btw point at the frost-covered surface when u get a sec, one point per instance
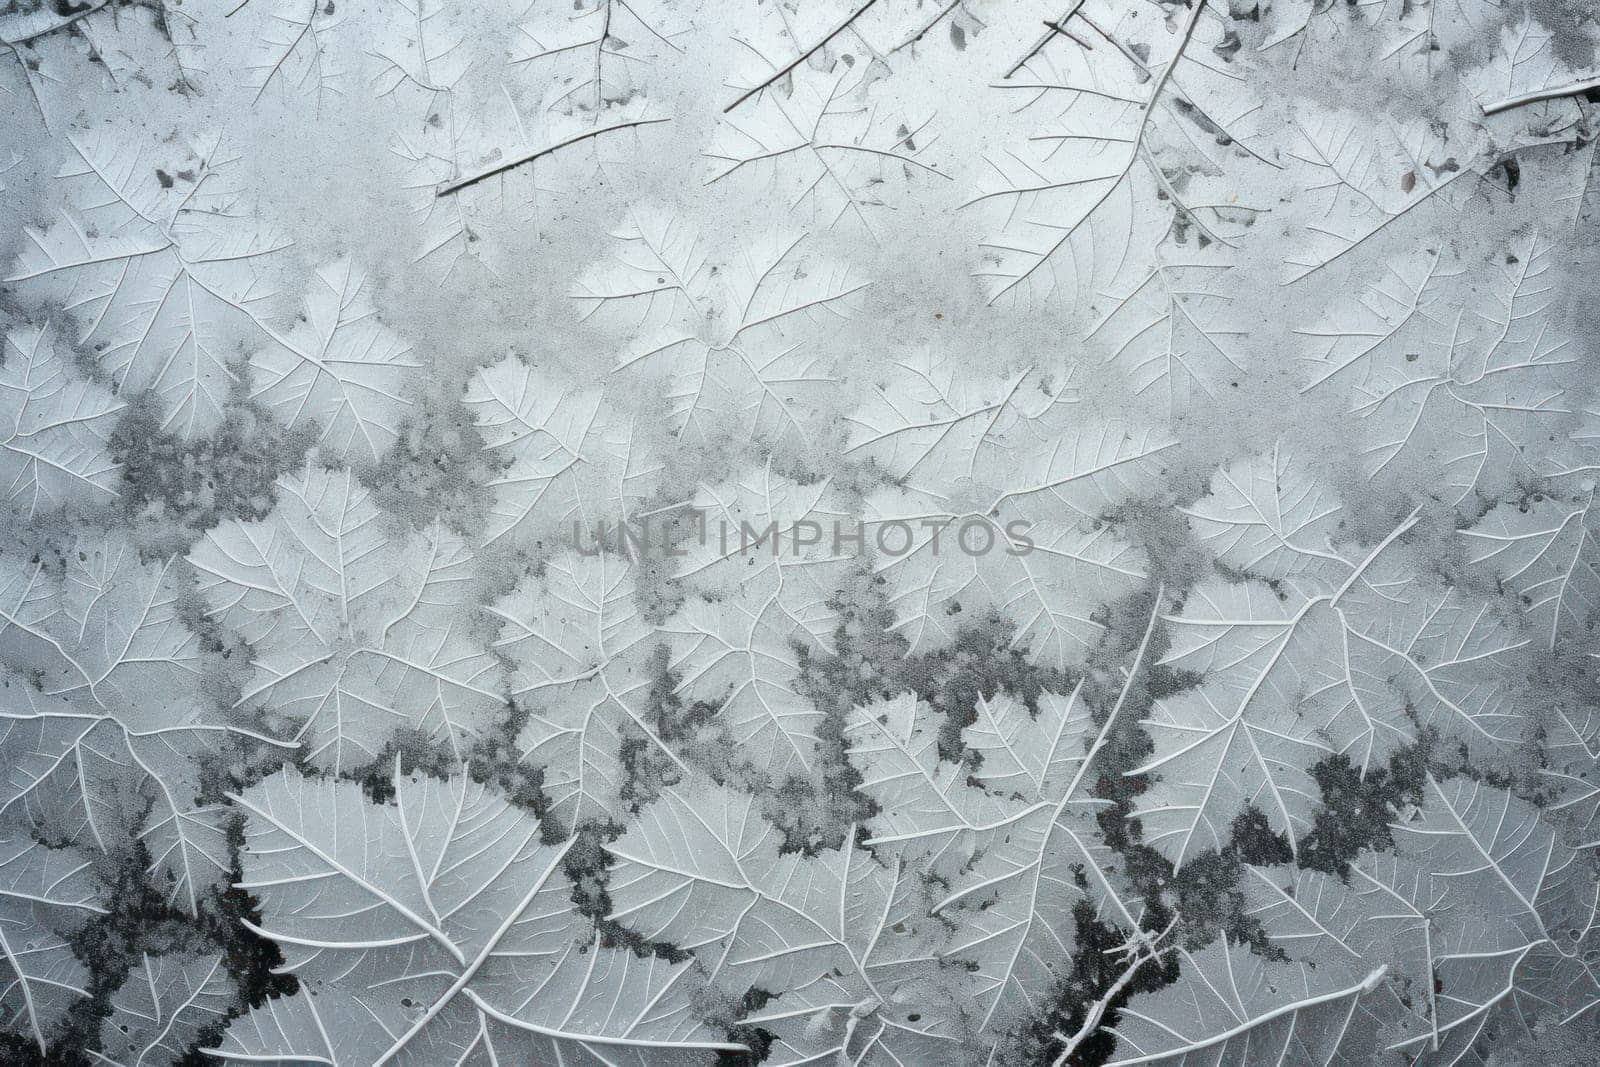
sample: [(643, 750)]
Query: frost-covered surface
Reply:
[(1211, 388)]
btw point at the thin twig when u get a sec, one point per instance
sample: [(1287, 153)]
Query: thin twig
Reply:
[(920, 34), (807, 54), (1122, 696), (517, 161), (1553, 93), (1116, 42), (1069, 35), (1055, 28), (1144, 952)]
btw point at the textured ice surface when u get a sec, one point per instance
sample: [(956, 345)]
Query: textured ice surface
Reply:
[(859, 532)]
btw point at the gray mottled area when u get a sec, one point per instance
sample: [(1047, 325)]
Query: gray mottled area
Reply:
[(1174, 426)]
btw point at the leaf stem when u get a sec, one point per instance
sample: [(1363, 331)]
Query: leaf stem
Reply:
[(1144, 952), (1554, 92), (529, 157), (802, 57), (1055, 28)]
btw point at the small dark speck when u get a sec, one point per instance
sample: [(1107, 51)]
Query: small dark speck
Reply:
[(327, 9), (958, 37), (164, 178)]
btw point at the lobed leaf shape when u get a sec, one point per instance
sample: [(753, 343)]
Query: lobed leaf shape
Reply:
[(1080, 188), (763, 529), (894, 743), (1054, 464), (163, 268), (1077, 218), (822, 144), (1173, 331), (598, 52), (479, 160), (1484, 918), (1266, 516), (356, 624), (730, 339), (440, 928), (928, 422), (1495, 850), (1527, 91), (1547, 552), (1312, 669), (124, 47), (1442, 378), (1048, 578), (842, 939), (55, 429), (774, 46), (1388, 28), (740, 653), (1450, 963), (572, 460), (1231, 1006), (941, 431), (1007, 842), (583, 657), (825, 1021), (102, 626), (1572, 747), (339, 369), (1020, 539), (291, 52), (164, 1008), (43, 893), (106, 639), (420, 49), (1381, 907), (1359, 178), (103, 778), (701, 867)]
